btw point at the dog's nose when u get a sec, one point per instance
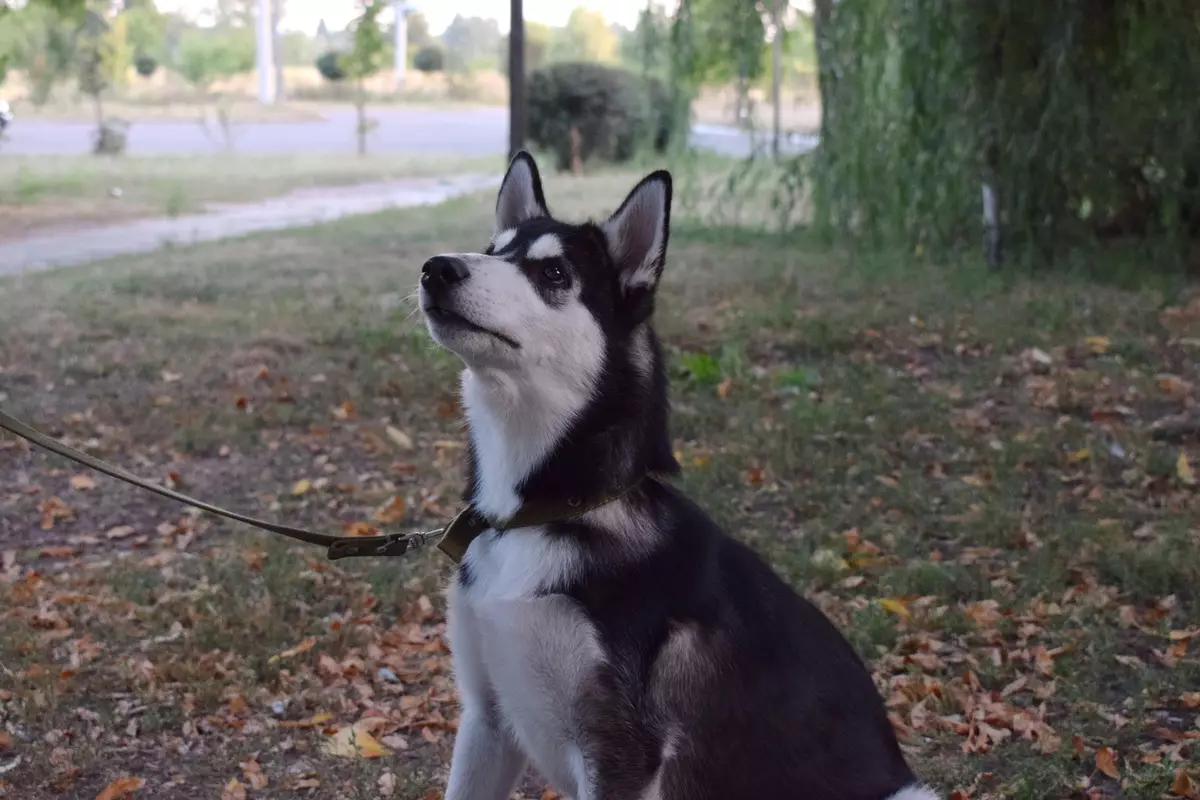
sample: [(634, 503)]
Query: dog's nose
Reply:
[(441, 272)]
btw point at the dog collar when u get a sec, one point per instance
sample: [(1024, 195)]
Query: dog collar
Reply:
[(471, 523)]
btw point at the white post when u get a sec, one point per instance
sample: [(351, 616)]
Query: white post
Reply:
[(401, 60), (264, 52)]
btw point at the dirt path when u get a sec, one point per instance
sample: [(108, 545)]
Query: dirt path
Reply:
[(70, 246)]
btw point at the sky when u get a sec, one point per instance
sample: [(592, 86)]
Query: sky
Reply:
[(304, 15)]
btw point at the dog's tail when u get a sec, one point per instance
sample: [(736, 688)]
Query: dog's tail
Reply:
[(914, 792)]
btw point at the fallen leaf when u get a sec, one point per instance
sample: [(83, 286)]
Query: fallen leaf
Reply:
[(391, 512), (386, 784), (399, 438), (120, 532), (1184, 470), (121, 787), (301, 486), (312, 722), (82, 482), (895, 606), (5, 740), (303, 647), (1098, 344), (254, 775), (1184, 786), (351, 743), (58, 551), (233, 790), (723, 388), (1190, 699), (755, 476), (1106, 762), (53, 510)]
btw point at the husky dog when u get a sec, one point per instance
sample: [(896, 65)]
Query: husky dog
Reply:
[(629, 648)]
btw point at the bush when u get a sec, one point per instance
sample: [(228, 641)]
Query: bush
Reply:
[(330, 66), (145, 65), (611, 107), (429, 59)]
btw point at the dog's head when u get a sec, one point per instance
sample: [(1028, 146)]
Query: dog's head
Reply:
[(547, 294)]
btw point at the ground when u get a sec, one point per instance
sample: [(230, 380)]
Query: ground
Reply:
[(986, 482), (37, 192)]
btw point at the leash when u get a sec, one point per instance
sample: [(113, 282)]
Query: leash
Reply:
[(453, 539)]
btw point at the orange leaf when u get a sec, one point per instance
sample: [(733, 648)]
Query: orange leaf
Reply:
[(895, 606), (1190, 699), (233, 790), (303, 647), (1184, 786), (1106, 762), (352, 743), (723, 389), (121, 787), (82, 482), (393, 511)]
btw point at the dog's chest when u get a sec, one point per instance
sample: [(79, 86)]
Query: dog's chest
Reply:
[(531, 653)]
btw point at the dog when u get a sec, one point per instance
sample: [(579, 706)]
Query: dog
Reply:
[(625, 645)]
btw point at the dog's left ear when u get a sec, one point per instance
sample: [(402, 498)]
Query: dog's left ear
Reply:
[(637, 232)]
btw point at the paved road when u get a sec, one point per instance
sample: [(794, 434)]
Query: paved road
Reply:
[(466, 132)]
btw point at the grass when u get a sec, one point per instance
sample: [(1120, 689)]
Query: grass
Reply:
[(964, 472), (37, 192)]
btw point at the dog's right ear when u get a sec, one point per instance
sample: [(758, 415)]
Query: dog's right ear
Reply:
[(521, 196)]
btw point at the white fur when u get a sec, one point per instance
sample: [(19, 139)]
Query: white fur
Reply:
[(503, 239), (914, 793), (545, 246)]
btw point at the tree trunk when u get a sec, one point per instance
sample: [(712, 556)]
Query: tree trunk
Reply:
[(776, 75), (277, 50), (360, 108), (826, 76)]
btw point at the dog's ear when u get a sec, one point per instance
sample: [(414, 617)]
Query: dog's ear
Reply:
[(520, 198), (637, 232)]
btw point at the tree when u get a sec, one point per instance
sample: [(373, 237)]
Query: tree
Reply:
[(145, 30), (418, 30), (367, 56), (40, 41), (103, 58), (538, 40), (586, 37), (471, 42), (206, 55), (429, 59)]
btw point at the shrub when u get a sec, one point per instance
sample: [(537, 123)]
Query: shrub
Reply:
[(145, 65), (429, 59), (330, 66), (612, 109)]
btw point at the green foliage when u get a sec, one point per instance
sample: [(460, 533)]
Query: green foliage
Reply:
[(330, 67), (41, 42), (1081, 115), (145, 65), (729, 39), (586, 37), (206, 55), (610, 107), (429, 59), (103, 55), (471, 43), (146, 31), (368, 53)]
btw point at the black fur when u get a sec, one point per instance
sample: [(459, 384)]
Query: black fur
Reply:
[(783, 707)]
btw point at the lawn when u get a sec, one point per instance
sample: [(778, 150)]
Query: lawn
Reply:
[(41, 191), (988, 484)]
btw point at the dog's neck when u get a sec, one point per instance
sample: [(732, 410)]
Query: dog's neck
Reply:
[(537, 438)]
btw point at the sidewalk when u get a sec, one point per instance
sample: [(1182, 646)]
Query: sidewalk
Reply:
[(67, 247)]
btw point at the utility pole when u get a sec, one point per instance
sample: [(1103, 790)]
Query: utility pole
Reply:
[(400, 63), (264, 52), (776, 74), (516, 79)]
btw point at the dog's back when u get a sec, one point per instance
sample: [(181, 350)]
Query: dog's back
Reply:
[(603, 627)]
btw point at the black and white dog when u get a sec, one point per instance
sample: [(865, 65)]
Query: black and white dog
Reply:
[(631, 650)]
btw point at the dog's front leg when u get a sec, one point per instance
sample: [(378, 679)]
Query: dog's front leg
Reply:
[(486, 761)]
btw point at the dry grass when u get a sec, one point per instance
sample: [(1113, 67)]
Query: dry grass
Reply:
[(38, 192), (985, 483)]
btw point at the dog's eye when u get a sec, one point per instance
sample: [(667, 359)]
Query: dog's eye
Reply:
[(553, 273)]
